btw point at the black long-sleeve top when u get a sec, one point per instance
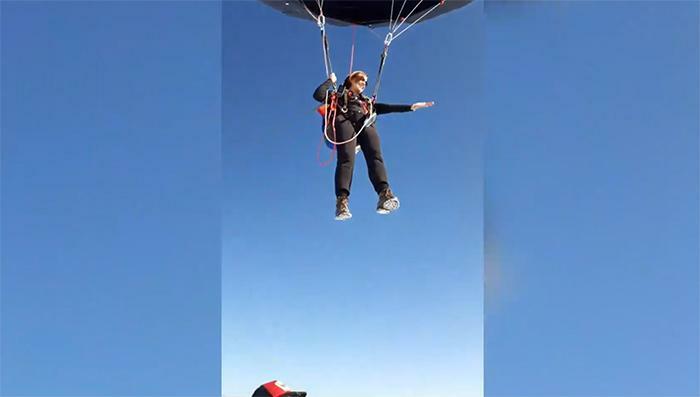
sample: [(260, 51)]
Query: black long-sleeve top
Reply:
[(356, 106)]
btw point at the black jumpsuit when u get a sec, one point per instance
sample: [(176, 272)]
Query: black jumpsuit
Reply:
[(346, 126)]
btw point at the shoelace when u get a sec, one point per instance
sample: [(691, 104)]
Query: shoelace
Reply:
[(342, 206), (386, 194)]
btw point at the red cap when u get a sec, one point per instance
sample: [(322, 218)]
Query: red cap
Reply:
[(277, 389)]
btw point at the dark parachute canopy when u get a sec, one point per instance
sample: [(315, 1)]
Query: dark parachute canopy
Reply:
[(366, 13)]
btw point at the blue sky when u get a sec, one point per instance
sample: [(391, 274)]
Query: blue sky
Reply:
[(376, 305), (110, 199), (592, 199)]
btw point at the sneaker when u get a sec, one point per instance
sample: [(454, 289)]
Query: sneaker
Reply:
[(387, 202), (342, 209)]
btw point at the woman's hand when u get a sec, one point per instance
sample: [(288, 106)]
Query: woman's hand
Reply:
[(333, 78), (421, 105)]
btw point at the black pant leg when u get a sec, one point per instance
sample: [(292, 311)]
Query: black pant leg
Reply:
[(345, 164), (372, 150)]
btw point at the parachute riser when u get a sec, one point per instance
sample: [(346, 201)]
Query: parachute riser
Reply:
[(382, 61)]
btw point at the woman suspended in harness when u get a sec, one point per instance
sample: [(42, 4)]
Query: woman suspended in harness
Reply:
[(354, 117)]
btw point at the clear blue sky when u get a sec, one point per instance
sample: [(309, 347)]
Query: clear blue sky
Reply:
[(376, 305), (110, 199), (592, 199)]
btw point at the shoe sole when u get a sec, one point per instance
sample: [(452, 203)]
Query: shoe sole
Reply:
[(343, 217), (389, 206)]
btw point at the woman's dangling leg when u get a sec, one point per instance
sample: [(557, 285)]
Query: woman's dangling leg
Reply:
[(346, 158), (372, 150), (344, 169)]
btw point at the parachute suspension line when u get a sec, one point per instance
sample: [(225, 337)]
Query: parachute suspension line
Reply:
[(382, 61), (314, 17), (419, 18), (321, 22), (326, 53), (352, 49), (396, 27), (391, 15), (393, 35), (392, 27)]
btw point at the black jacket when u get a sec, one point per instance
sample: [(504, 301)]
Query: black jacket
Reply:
[(356, 105)]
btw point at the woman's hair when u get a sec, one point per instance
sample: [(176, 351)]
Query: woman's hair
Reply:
[(354, 77)]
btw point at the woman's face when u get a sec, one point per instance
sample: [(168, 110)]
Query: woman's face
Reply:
[(359, 84)]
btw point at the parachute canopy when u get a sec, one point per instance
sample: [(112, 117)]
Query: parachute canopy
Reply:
[(366, 13)]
